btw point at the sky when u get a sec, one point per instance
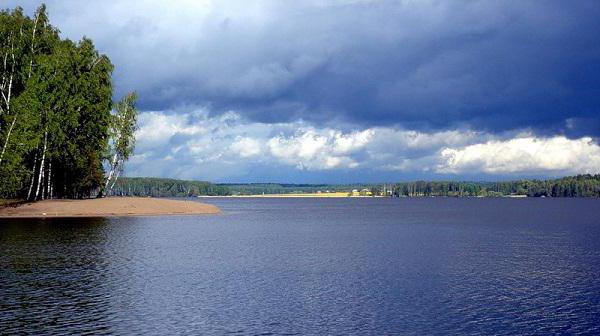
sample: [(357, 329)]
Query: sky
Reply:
[(333, 91)]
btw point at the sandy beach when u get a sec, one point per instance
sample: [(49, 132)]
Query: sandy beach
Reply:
[(106, 207)]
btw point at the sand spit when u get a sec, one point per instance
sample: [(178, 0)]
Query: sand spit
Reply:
[(107, 207)]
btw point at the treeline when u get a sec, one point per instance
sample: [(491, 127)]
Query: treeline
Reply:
[(56, 125), (572, 186), (286, 188), (162, 187)]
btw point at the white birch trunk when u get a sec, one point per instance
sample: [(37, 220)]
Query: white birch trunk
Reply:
[(10, 83), (115, 180), (7, 96), (7, 102), (51, 183), (33, 46), (44, 179), (4, 83), (4, 72), (41, 183), (113, 165), (32, 176), (12, 125), (49, 179), (41, 175)]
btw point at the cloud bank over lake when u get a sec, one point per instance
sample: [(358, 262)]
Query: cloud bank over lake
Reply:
[(370, 90), (230, 147)]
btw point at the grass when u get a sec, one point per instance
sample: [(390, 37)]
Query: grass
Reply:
[(7, 202)]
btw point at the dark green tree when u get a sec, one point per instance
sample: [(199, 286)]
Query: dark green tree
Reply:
[(55, 111)]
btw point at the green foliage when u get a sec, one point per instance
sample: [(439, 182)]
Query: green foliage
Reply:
[(573, 186), (124, 125), (122, 129), (55, 110), (160, 187)]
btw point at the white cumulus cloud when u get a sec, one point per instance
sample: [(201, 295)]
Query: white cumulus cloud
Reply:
[(199, 145), (524, 155), (246, 147)]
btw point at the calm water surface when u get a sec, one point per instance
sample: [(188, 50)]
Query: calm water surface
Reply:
[(310, 266)]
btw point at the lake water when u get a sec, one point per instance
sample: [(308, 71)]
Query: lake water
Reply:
[(310, 267)]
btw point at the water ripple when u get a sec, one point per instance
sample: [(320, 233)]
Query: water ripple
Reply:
[(309, 267)]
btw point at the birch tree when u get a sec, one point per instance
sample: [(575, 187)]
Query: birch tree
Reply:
[(55, 112), (122, 138), (74, 90), (18, 58), (22, 40)]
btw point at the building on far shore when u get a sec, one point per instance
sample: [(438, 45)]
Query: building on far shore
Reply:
[(362, 192)]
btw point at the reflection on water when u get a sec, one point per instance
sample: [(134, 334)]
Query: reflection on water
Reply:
[(310, 266), (52, 273)]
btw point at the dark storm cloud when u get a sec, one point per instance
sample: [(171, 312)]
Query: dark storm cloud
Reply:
[(486, 65)]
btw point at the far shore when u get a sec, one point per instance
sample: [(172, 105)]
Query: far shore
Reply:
[(106, 207), (345, 195), (298, 195)]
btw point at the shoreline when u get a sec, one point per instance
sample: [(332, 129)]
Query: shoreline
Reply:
[(290, 196), (107, 207), (324, 195)]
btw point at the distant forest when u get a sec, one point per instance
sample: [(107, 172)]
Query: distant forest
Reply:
[(290, 188), (162, 187), (573, 186)]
